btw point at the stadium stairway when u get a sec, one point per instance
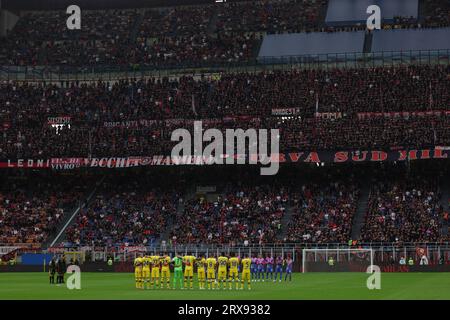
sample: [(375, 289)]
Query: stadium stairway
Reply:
[(190, 194), (69, 217), (136, 26), (212, 26), (445, 198), (361, 210), (170, 221), (285, 222), (368, 43), (421, 12), (42, 54), (323, 15)]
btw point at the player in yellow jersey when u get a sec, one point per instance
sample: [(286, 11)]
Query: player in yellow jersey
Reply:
[(211, 271), (156, 263), (201, 273), (151, 267), (233, 274), (222, 272), (246, 268), (146, 271), (165, 271), (138, 262), (188, 261)]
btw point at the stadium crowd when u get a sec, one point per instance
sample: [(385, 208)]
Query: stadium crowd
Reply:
[(404, 210), (314, 109), (271, 16), (309, 206), (175, 37), (32, 209), (130, 214), (377, 133), (323, 213), (42, 38), (313, 135), (348, 91), (436, 13), (240, 215), (351, 108)]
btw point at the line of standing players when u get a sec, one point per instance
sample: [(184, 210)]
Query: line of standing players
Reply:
[(273, 267), (153, 271)]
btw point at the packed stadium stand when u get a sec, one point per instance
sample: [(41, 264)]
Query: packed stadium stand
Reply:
[(323, 212), (32, 206), (384, 116), (380, 107), (313, 205), (194, 35), (404, 212), (127, 213), (251, 214)]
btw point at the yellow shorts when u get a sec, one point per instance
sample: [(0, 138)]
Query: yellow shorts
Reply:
[(155, 272), (146, 273), (222, 274), (211, 274), (189, 272), (201, 274), (138, 272), (233, 274), (245, 275), (165, 272)]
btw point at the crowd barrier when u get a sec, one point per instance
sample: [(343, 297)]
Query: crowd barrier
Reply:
[(326, 61)]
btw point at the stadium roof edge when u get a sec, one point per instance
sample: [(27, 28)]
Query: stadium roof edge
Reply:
[(97, 4)]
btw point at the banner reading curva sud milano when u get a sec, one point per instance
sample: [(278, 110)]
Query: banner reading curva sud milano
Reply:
[(291, 157)]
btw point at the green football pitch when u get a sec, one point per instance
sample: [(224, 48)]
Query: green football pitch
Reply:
[(303, 286)]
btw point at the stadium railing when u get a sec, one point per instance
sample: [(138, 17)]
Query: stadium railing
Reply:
[(383, 252), (332, 60), (20, 245)]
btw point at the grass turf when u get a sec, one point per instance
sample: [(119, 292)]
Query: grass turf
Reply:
[(303, 286)]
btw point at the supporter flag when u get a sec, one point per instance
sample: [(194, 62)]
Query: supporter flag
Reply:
[(261, 236), (178, 95), (421, 252), (431, 98), (431, 108), (361, 255), (381, 99), (193, 104), (170, 104), (317, 103)]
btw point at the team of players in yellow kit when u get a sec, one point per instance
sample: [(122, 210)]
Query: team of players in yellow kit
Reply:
[(154, 271)]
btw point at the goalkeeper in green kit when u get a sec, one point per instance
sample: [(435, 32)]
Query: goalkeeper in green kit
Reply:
[(178, 271)]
